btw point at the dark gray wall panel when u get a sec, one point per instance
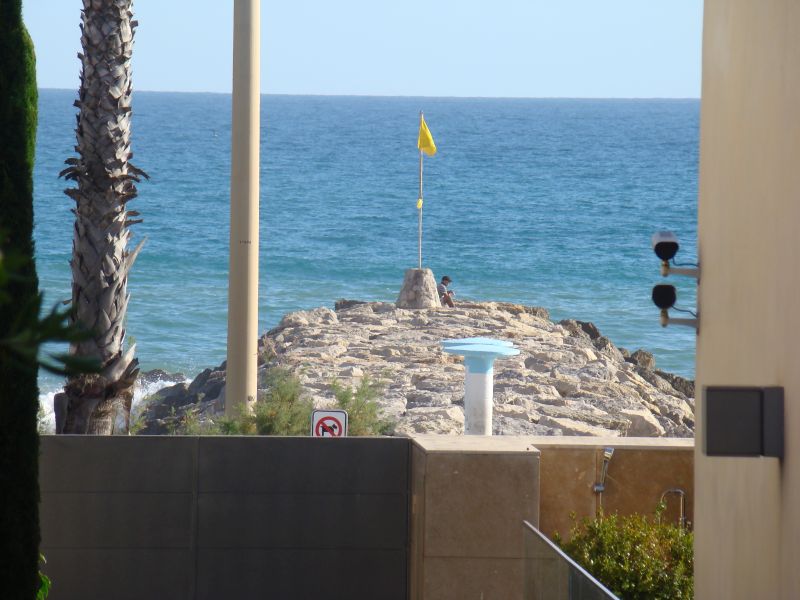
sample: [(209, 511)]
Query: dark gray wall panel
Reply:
[(120, 574), (303, 520), (116, 520), (171, 517), (300, 574), (307, 465), (117, 464)]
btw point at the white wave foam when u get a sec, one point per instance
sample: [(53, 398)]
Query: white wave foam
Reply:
[(47, 417)]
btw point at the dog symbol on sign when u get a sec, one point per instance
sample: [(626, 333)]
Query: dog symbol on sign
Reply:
[(329, 427)]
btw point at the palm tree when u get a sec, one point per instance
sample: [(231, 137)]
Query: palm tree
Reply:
[(100, 258)]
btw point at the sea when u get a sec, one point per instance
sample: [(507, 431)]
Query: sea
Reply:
[(544, 202)]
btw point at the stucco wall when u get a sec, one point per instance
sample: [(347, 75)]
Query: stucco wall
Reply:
[(470, 495), (640, 471), (747, 510)]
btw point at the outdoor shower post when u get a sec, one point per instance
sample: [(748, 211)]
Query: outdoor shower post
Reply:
[(479, 356)]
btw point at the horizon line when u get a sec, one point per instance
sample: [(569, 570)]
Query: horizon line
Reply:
[(410, 96)]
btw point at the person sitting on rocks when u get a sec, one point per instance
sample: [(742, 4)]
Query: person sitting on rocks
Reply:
[(445, 295)]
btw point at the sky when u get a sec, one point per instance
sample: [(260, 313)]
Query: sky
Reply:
[(473, 48)]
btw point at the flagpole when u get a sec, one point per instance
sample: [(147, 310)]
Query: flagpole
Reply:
[(419, 245)]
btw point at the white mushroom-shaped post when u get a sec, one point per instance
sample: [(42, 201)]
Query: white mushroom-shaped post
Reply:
[(479, 356)]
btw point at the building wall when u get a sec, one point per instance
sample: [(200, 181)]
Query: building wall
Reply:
[(640, 471), (747, 510), (470, 495), (436, 517), (206, 518)]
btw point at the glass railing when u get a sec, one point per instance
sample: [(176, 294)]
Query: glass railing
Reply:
[(552, 575)]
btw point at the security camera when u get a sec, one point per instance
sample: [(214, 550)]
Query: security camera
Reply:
[(664, 296), (665, 245)]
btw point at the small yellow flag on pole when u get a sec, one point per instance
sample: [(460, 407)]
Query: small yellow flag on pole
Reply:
[(425, 140)]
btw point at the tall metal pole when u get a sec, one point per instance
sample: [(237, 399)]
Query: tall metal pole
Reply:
[(419, 235), (240, 388)]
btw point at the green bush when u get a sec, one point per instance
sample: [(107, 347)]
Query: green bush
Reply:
[(363, 415), (279, 410), (44, 582), (635, 557)]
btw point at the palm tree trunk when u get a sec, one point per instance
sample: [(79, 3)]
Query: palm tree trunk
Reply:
[(100, 258)]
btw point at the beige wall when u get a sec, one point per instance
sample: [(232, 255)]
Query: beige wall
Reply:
[(640, 471), (748, 509), (470, 495)]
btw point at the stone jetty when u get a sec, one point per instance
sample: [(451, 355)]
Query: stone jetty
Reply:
[(567, 380)]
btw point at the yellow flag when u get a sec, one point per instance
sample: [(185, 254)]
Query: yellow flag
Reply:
[(425, 140), (419, 203)]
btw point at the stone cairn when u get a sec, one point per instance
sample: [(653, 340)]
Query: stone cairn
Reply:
[(419, 290)]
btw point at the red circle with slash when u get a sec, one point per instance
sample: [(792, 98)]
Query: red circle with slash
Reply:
[(329, 427)]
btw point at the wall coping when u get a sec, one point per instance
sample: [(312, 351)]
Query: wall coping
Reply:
[(515, 444), (633, 443), (475, 444)]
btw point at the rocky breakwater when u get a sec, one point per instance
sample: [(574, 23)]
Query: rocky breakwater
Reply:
[(568, 378)]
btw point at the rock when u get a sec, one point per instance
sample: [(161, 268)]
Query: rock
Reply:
[(643, 423), (442, 420), (503, 425), (511, 411), (586, 353), (352, 372), (199, 381), (607, 348), (573, 427), (643, 358), (567, 379), (419, 290), (424, 398), (684, 386), (343, 304), (580, 328), (156, 375)]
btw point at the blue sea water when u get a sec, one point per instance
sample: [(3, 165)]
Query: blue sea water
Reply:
[(547, 202)]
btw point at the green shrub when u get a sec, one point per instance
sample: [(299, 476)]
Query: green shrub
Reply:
[(633, 556), (279, 410), (44, 582), (363, 415)]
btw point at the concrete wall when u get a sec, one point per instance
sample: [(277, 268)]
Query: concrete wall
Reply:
[(748, 509), (470, 495), (171, 517), (436, 517), (640, 471)]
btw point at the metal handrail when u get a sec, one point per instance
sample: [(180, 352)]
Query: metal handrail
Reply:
[(588, 589)]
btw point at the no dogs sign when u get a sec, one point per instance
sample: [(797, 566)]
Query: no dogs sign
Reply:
[(329, 423)]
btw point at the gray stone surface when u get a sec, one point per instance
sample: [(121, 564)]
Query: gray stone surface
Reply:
[(570, 365), (419, 290)]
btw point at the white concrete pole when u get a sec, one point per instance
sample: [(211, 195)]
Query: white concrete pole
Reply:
[(240, 388), (478, 398)]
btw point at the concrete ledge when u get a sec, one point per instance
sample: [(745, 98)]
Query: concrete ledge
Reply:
[(640, 443), (476, 444)]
